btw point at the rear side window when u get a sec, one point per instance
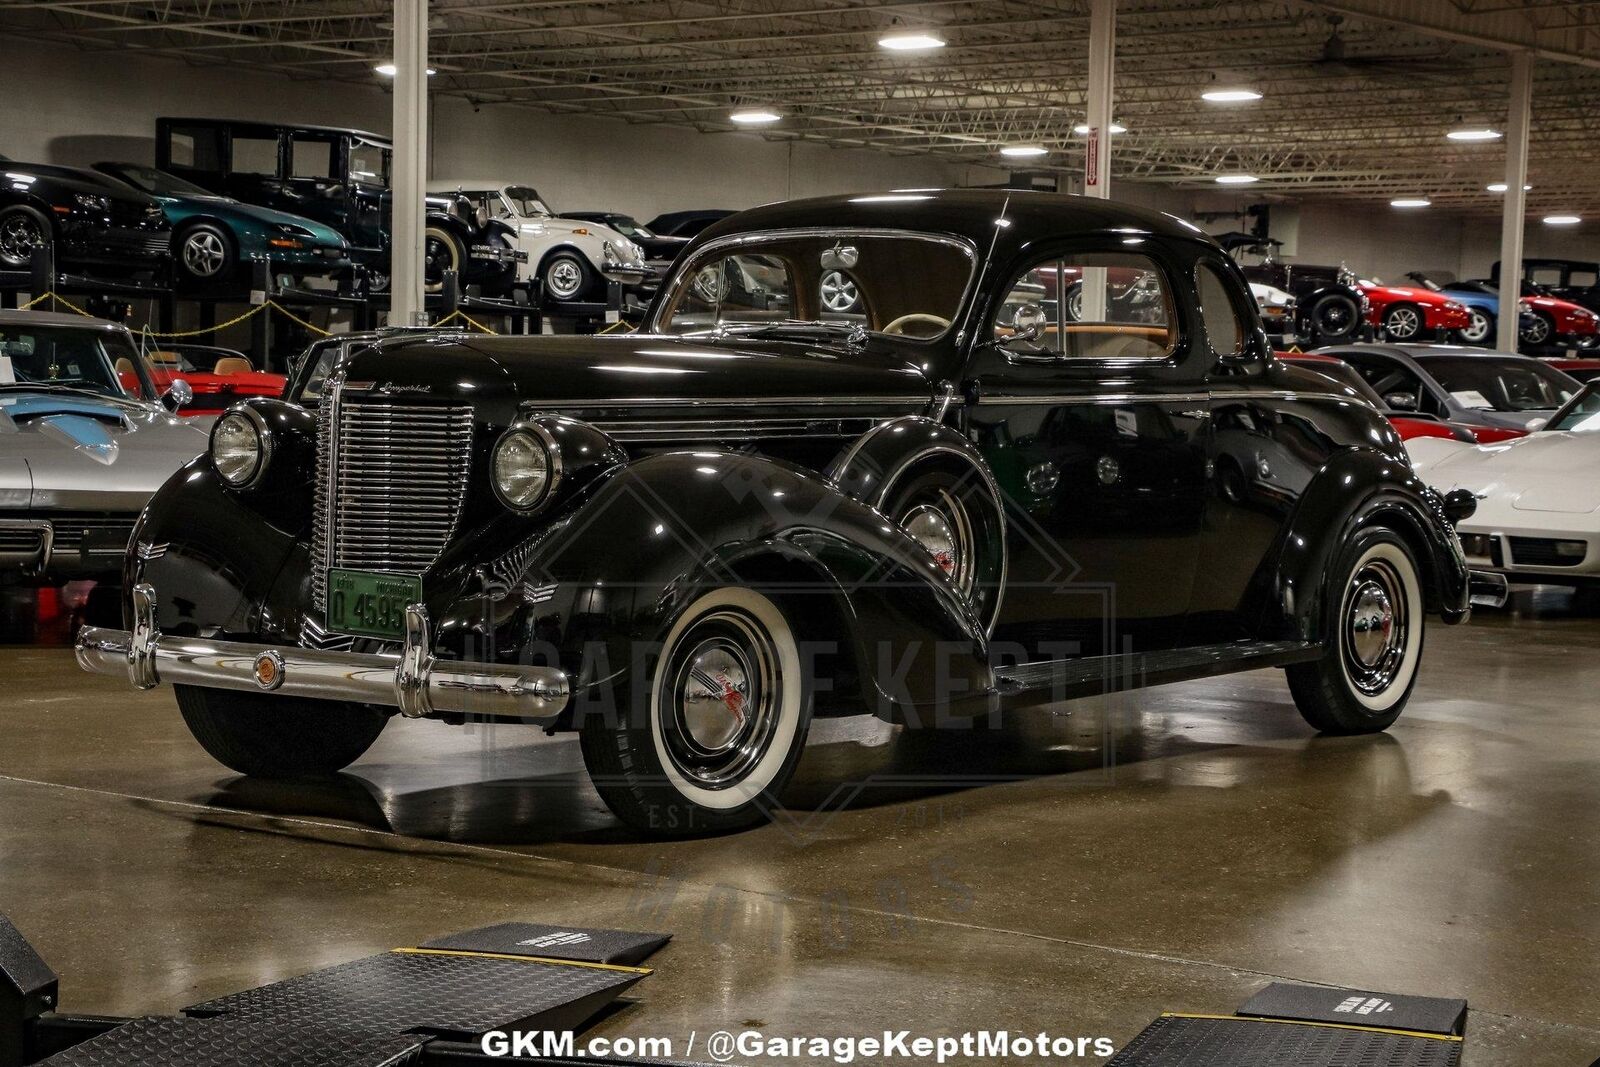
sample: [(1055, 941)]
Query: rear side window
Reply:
[(1092, 305), (255, 155), (199, 147), (1224, 329), (311, 157)]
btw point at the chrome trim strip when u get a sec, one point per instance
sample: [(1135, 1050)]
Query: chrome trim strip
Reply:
[(1096, 398), (921, 400), (414, 683)]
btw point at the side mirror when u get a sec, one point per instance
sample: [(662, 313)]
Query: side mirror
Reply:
[(1028, 323), (178, 395), (1459, 505), (1401, 401)]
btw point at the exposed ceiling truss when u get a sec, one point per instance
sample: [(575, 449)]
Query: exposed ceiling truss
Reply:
[(1358, 93)]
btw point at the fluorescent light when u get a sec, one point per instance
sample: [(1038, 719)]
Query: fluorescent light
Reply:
[(1024, 150), (754, 116), (1474, 134), (1230, 96), (1562, 220), (1082, 128), (1411, 201), (1236, 179), (389, 70), (1500, 187), (910, 41), (888, 198)]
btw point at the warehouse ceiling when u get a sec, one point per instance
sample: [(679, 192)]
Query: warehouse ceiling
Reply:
[(1357, 97)]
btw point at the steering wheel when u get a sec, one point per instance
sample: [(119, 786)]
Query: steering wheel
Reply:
[(916, 318)]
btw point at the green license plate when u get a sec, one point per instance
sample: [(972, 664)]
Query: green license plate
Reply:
[(369, 603)]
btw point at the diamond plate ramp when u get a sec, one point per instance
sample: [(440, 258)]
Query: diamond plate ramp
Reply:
[(447, 993), (232, 1042), (1227, 1041)]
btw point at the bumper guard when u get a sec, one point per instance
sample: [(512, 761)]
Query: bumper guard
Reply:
[(413, 682)]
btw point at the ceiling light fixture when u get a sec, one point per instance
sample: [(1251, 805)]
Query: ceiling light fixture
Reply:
[(1236, 95), (754, 116), (1562, 220), (910, 41), (1082, 128), (1411, 201), (1474, 133), (389, 70), (1500, 187), (1017, 150), (1236, 179)]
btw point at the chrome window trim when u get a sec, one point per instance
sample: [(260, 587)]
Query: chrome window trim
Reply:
[(1095, 398), (605, 403)]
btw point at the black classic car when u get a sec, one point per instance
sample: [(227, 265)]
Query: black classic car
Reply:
[(87, 223), (686, 542), (1330, 306), (1577, 280), (339, 178)]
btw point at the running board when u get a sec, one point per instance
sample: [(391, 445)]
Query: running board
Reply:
[(1047, 680)]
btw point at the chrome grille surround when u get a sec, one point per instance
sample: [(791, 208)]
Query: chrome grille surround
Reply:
[(391, 478)]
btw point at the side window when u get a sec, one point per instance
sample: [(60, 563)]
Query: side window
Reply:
[(311, 157), (737, 289), (255, 155), (369, 163), (1224, 329), (198, 147), (1090, 305)]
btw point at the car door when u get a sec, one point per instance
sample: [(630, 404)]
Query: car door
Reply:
[(1095, 429), (313, 182), (255, 166)]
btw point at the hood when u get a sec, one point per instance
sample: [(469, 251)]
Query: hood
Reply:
[(1406, 292), (554, 224), (645, 372), (230, 210), (90, 453), (1551, 471), (79, 180)]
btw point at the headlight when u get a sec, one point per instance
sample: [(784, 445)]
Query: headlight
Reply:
[(93, 203), (526, 466), (241, 446)]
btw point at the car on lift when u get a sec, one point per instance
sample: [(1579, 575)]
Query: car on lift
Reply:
[(340, 178), (1577, 280), (217, 378), (1330, 306), (216, 238), (1408, 424), (1584, 370), (1278, 313), (658, 247), (1549, 322), (1462, 384), (86, 223), (1538, 515), (567, 257), (80, 453), (685, 543), (1406, 313), (685, 224), (1482, 304)]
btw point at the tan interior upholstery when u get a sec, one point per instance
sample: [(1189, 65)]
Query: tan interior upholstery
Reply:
[(124, 365), (232, 365), (164, 359)]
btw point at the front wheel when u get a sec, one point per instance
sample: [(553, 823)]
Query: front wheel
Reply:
[(1478, 330), (1537, 329), (278, 736), (708, 741), (1372, 639), (204, 253), (22, 229), (441, 251), (566, 276), (1403, 322)]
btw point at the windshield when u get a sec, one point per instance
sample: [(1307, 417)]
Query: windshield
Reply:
[(1346, 377), (369, 163), (629, 227), (98, 361), (159, 182), (1582, 414), (901, 284), (526, 200), (1487, 384), (1473, 287)]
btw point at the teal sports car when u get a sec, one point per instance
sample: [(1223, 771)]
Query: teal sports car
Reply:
[(215, 238)]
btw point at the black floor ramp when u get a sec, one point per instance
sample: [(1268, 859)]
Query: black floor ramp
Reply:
[(625, 947), (1322, 1004), (229, 1042)]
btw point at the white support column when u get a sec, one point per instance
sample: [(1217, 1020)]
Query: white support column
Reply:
[(408, 181), (1512, 222), (1097, 145)]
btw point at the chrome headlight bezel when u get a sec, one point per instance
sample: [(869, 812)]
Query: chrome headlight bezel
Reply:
[(532, 432), (251, 421)]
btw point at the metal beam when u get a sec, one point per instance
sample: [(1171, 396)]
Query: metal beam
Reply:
[(410, 178), (1512, 223)]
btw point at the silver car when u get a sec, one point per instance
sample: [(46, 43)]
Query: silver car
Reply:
[(83, 445)]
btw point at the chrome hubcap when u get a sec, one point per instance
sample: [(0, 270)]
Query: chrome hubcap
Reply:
[(839, 293), (722, 690), (1375, 627), (203, 253), (563, 278), (944, 529), (1403, 322), (19, 236), (1075, 305)]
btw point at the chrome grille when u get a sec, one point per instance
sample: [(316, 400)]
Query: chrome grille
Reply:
[(390, 482)]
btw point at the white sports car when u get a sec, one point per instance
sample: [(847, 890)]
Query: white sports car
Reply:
[(1277, 313), (569, 256), (1538, 517)]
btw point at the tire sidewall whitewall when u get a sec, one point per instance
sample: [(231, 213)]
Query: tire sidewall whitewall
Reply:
[(1405, 568)]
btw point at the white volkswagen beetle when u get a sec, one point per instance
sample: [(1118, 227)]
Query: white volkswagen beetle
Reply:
[(569, 256), (1538, 517)]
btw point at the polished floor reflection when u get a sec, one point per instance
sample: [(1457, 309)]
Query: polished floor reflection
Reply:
[(1079, 868)]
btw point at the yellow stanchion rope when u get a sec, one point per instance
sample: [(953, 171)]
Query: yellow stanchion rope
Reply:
[(474, 323), (171, 335)]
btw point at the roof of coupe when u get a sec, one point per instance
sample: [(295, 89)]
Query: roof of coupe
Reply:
[(968, 213)]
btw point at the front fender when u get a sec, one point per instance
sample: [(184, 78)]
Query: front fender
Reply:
[(1356, 487), (634, 552)]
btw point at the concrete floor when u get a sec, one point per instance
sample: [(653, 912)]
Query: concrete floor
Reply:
[(1080, 871)]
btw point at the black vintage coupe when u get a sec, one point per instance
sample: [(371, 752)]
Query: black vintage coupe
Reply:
[(88, 223), (687, 542)]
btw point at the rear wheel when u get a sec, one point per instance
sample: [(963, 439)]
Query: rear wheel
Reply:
[(22, 229), (956, 518), (710, 738), (278, 736), (1478, 330), (1373, 639), (1335, 318)]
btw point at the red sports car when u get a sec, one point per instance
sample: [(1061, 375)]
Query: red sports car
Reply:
[(1560, 322), (1406, 313), (1585, 370), (1407, 424), (220, 377)]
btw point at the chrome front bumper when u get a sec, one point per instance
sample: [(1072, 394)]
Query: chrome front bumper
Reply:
[(413, 682)]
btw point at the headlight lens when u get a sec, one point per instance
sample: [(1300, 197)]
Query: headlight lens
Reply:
[(93, 203), (240, 447), (526, 466)]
